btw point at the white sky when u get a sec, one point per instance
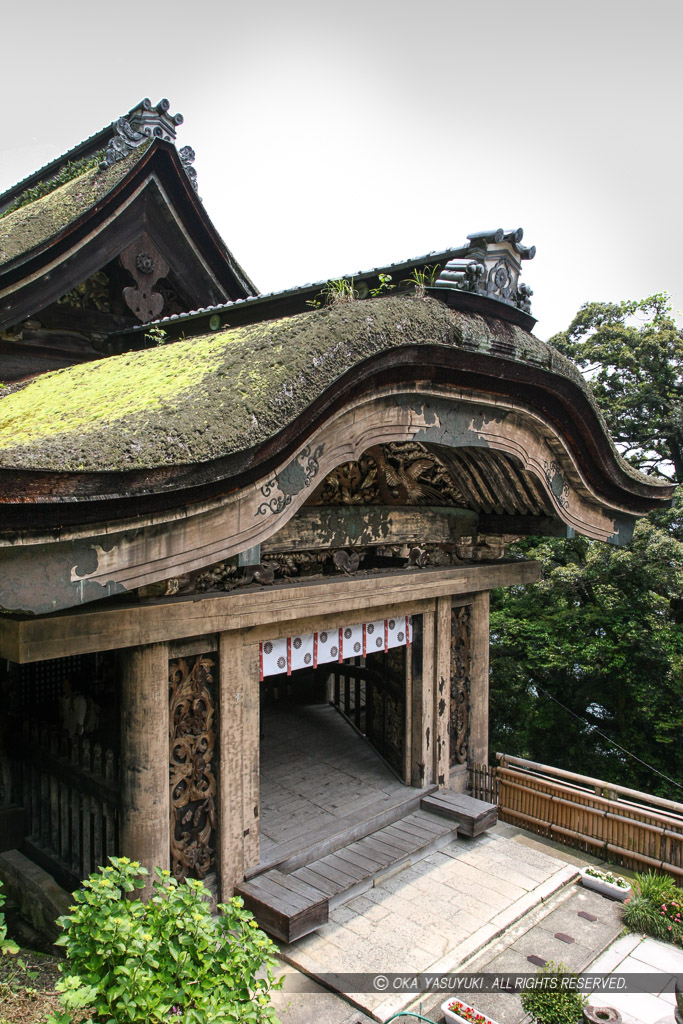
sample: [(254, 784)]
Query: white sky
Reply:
[(331, 138)]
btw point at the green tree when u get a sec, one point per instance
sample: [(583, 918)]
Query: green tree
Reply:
[(589, 664), (632, 354)]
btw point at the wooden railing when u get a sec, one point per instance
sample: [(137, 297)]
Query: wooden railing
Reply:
[(71, 800), (622, 825)]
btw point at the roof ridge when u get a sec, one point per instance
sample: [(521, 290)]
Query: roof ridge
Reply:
[(145, 111)]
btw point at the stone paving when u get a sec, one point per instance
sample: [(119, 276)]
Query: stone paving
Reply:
[(434, 915)]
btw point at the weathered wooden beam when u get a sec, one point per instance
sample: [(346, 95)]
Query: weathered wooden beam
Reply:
[(478, 742), (442, 690), (88, 629), (144, 757), (343, 526), (534, 526), (230, 778)]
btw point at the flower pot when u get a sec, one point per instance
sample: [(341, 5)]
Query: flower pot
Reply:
[(605, 888), (471, 1014)]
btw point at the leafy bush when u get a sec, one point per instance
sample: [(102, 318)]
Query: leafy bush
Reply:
[(551, 1002), (6, 945), (166, 959), (656, 888), (655, 909)]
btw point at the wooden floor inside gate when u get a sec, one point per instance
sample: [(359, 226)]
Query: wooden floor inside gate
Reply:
[(335, 820)]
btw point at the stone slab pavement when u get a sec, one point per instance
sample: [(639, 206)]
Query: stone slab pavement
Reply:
[(479, 905), (434, 915)]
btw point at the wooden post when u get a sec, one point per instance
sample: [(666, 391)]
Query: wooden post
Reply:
[(251, 730), (478, 746), (231, 804), (442, 690), (144, 756), (422, 764)]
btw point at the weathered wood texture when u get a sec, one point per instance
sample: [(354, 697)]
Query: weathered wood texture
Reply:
[(442, 680), (283, 905), (366, 525), (478, 742), (144, 756), (422, 767), (292, 904), (71, 799), (230, 784), (251, 719), (24, 640), (473, 816)]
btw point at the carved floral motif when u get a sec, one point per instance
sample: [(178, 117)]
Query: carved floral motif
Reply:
[(460, 683), (398, 473), (192, 739)]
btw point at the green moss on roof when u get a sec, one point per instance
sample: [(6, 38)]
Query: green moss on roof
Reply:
[(29, 226), (197, 400)]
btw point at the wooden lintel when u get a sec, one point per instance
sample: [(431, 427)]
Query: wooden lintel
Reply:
[(192, 646), (342, 526), (89, 629), (540, 526)]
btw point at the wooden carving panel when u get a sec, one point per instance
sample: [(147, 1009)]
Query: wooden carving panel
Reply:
[(146, 266), (193, 767), (461, 660)]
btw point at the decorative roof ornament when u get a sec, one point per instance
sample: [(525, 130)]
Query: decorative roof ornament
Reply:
[(144, 122), (491, 266), (186, 155)]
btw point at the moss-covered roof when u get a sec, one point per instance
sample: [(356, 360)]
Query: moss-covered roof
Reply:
[(197, 400), (30, 226)]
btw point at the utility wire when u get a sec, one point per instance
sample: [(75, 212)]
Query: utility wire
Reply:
[(609, 740)]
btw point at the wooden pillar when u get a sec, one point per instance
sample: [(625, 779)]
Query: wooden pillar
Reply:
[(251, 730), (144, 832), (422, 762), (442, 691), (231, 809), (478, 745)]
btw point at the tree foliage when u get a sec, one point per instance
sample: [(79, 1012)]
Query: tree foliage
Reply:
[(632, 354), (588, 665)]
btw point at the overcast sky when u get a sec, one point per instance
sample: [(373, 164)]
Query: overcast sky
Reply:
[(331, 138)]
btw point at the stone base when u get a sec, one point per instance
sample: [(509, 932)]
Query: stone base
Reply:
[(39, 899)]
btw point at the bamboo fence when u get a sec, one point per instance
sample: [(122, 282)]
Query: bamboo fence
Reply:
[(621, 825)]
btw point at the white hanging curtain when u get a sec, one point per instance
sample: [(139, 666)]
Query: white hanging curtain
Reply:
[(309, 650)]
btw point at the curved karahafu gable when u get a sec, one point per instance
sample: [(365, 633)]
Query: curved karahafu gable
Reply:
[(162, 462)]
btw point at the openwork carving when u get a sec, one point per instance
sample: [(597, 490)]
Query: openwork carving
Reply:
[(398, 473), (192, 737), (461, 659), (91, 294)]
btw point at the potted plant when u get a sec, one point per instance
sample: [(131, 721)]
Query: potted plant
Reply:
[(606, 882), (457, 1012)]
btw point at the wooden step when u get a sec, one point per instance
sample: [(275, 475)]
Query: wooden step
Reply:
[(317, 843), (473, 816), (346, 873), (284, 906)]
